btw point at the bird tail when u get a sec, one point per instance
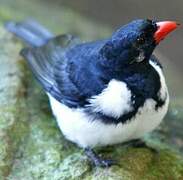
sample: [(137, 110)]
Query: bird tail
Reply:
[(30, 32)]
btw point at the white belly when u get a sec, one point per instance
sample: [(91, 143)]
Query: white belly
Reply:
[(79, 128)]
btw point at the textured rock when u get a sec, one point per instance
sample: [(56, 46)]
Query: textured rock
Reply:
[(12, 114), (31, 145)]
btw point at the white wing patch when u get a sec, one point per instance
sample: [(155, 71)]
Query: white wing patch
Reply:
[(114, 101)]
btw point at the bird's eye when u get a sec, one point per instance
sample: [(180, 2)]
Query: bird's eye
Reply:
[(140, 40)]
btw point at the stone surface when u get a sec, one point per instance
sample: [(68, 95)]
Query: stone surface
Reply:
[(31, 145)]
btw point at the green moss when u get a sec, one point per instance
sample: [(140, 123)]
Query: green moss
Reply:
[(138, 161), (12, 114), (165, 165), (73, 166)]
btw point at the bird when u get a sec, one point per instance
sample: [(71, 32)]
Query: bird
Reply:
[(101, 92)]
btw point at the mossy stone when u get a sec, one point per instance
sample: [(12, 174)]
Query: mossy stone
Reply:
[(32, 146)]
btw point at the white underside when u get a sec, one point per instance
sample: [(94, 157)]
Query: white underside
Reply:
[(80, 128)]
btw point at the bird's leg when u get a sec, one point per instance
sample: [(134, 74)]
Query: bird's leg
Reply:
[(97, 160), (139, 143)]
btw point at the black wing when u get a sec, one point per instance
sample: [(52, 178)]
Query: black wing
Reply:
[(45, 61), (65, 67), (53, 66)]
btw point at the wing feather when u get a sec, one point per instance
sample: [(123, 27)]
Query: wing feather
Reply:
[(44, 61)]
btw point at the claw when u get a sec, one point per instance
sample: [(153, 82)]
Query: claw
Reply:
[(105, 162), (98, 161)]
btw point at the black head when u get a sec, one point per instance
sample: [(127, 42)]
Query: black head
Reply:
[(132, 43)]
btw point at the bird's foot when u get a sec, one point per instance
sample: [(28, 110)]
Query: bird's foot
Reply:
[(97, 160), (138, 143)]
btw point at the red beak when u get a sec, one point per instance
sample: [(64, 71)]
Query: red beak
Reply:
[(164, 28)]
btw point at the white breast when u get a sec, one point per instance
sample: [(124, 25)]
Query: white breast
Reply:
[(114, 101), (80, 128)]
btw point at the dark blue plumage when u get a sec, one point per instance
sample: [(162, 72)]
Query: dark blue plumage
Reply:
[(73, 72)]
